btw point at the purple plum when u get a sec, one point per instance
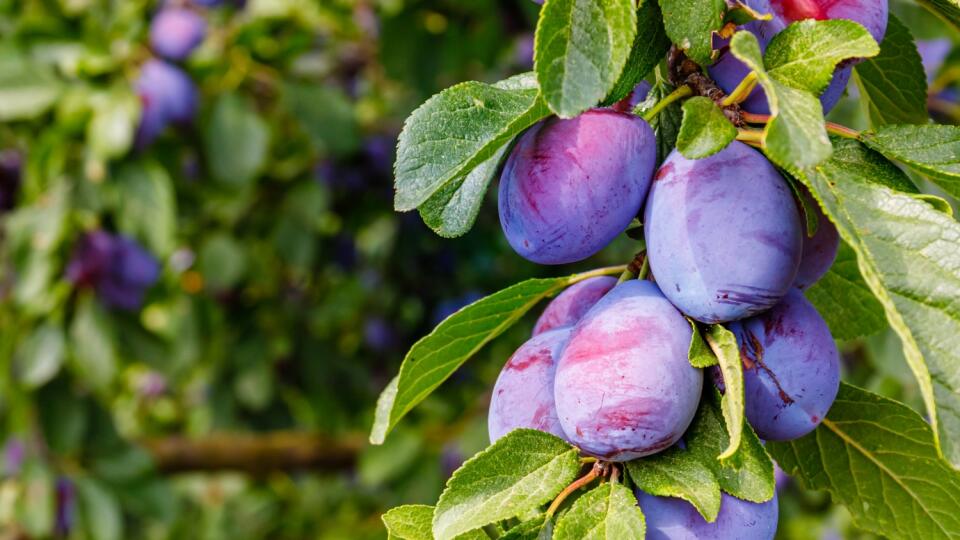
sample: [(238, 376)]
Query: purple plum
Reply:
[(819, 250), (167, 95), (872, 14), (176, 32), (624, 387), (571, 186), (933, 53), (791, 368), (523, 394), (723, 234), (670, 518), (573, 303), (634, 98), (118, 268)]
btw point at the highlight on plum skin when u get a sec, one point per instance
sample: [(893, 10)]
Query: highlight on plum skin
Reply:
[(573, 303), (670, 518), (624, 387), (571, 186), (819, 250), (791, 368), (723, 234), (523, 394)]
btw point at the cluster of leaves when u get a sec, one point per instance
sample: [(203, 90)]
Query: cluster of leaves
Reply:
[(899, 266)]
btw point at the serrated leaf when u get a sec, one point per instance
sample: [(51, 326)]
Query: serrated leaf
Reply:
[(949, 10), (535, 529), (893, 86), (932, 150), (677, 472), (581, 47), (690, 24), (804, 55), (704, 130), (724, 345), (517, 474), (415, 522), (457, 130), (699, 353), (844, 300), (666, 123), (908, 256), (649, 48), (608, 511), (878, 458), (435, 357)]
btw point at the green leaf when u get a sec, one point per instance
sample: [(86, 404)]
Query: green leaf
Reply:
[(795, 136), (41, 355), (147, 206), (893, 86), (649, 48), (724, 346), (699, 352), (932, 150), (705, 130), (666, 123), (844, 300), (804, 55), (878, 458), (608, 511), (540, 528), (581, 47), (949, 10), (92, 344), (435, 357), (691, 24), (237, 140), (907, 253), (457, 130), (678, 472), (325, 114), (36, 505), (517, 474), (410, 522), (27, 88), (99, 510)]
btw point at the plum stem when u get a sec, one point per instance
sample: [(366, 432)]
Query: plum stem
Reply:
[(680, 93), (598, 468), (832, 127), (644, 269), (742, 91), (753, 137)]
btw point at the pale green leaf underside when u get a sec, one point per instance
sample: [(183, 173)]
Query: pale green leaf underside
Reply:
[(607, 512), (931, 150), (724, 346), (704, 130)]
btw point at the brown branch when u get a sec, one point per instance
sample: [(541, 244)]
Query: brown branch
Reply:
[(684, 71)]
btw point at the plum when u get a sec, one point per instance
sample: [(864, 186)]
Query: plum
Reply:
[(523, 394), (167, 95), (571, 305), (819, 250), (624, 387), (670, 518), (117, 267), (933, 53), (571, 186), (872, 14), (791, 368), (723, 234), (176, 32)]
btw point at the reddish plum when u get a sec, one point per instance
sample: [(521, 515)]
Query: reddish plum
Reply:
[(571, 305), (624, 387), (723, 234), (523, 394), (669, 518), (571, 186)]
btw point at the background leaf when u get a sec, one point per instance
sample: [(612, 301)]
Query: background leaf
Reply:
[(237, 141), (931, 150), (649, 48), (147, 206)]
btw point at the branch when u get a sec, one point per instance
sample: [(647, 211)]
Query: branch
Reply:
[(684, 71)]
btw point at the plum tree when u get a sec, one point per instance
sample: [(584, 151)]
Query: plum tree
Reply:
[(819, 250), (723, 234), (791, 368), (573, 303), (167, 95), (669, 518), (176, 32), (571, 186), (523, 394), (624, 388)]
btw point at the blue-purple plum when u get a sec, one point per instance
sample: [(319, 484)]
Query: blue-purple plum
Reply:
[(872, 14), (723, 234), (573, 303), (791, 368), (523, 394), (571, 186), (167, 95), (117, 267), (634, 98), (624, 387), (819, 250), (670, 518), (176, 32)]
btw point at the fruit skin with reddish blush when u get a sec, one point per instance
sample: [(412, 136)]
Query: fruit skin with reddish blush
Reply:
[(791, 368), (723, 234), (624, 387), (571, 186), (819, 250), (523, 394), (573, 303), (871, 14), (670, 518)]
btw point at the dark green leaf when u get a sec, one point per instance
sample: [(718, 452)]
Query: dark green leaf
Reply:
[(608, 511), (649, 48), (932, 150), (666, 123), (705, 130), (691, 24), (237, 140), (678, 472), (325, 114), (949, 10), (844, 300)]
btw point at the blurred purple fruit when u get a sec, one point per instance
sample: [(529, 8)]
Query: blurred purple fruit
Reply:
[(176, 32), (118, 268), (378, 334), (450, 306), (14, 452), (66, 494), (11, 163), (933, 52), (167, 95)]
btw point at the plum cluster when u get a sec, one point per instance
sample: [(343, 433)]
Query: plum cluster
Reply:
[(727, 243), (118, 268)]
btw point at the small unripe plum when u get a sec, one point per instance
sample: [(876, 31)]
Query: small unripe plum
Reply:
[(523, 394), (670, 518), (176, 32), (819, 250), (791, 368), (571, 186), (573, 303), (624, 387), (723, 234)]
